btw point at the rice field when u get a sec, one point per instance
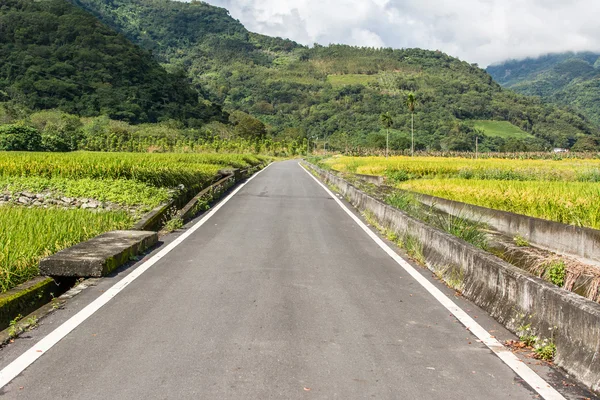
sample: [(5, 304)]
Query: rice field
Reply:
[(29, 234), (135, 180), (566, 191)]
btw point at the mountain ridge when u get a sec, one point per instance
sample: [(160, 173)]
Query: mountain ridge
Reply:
[(335, 91), (56, 55), (570, 79)]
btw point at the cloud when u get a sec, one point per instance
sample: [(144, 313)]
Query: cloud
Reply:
[(482, 31)]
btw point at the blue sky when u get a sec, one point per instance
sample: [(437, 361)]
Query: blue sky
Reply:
[(481, 31)]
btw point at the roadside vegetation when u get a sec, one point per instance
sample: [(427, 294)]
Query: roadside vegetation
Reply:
[(50, 201), (565, 191)]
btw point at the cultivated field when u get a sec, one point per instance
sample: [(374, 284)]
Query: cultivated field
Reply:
[(566, 191), (503, 129), (52, 201)]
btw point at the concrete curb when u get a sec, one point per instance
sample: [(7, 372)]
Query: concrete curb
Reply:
[(510, 295), (98, 256), (153, 220), (26, 298), (201, 200)]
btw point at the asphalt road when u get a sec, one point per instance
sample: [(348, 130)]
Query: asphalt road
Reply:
[(280, 295)]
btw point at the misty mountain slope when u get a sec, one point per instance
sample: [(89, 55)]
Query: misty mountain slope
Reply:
[(334, 91), (571, 79), (56, 55)]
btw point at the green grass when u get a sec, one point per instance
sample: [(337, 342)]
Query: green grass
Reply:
[(503, 129), (29, 234), (350, 79)]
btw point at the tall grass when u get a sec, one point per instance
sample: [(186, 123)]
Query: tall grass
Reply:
[(28, 234), (406, 168), (160, 170), (575, 203), (566, 191)]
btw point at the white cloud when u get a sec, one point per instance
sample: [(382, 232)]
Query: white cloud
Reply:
[(483, 31)]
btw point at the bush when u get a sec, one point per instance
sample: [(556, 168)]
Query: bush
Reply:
[(18, 137)]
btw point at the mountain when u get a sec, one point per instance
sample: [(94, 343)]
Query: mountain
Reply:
[(571, 79), (54, 55), (337, 91)]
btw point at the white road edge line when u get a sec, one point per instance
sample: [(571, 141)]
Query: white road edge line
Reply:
[(543, 388), (30, 356)]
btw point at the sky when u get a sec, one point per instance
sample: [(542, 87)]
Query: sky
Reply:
[(478, 31)]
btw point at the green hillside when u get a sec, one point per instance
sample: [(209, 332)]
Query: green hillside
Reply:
[(335, 91), (571, 79), (54, 55)]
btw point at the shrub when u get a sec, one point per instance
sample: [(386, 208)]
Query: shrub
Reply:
[(18, 137)]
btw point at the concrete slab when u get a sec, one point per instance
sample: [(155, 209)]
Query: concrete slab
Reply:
[(98, 256)]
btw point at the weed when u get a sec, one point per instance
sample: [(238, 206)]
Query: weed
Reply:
[(546, 350), (556, 272), (527, 335), (453, 276), (406, 202), (173, 224), (414, 248), (13, 329), (520, 241), (463, 228), (32, 322)]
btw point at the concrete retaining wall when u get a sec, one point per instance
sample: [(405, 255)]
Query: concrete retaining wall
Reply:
[(155, 219), (562, 238), (509, 294), (374, 179), (26, 298)]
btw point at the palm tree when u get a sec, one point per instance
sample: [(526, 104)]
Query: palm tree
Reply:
[(387, 122), (411, 101)]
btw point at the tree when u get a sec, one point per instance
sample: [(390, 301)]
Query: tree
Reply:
[(410, 103), (247, 127), (387, 122), (19, 137)]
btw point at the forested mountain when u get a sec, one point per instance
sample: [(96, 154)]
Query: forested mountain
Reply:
[(335, 91), (568, 78), (54, 55)]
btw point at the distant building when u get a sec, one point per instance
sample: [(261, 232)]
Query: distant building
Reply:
[(559, 150)]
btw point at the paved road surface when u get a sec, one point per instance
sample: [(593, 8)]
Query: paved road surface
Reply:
[(279, 296)]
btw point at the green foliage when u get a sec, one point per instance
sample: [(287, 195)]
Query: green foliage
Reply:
[(55, 55), (173, 224), (520, 241), (566, 78), (556, 273), (414, 248), (336, 91), (463, 228), (19, 137), (545, 350), (527, 335)]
